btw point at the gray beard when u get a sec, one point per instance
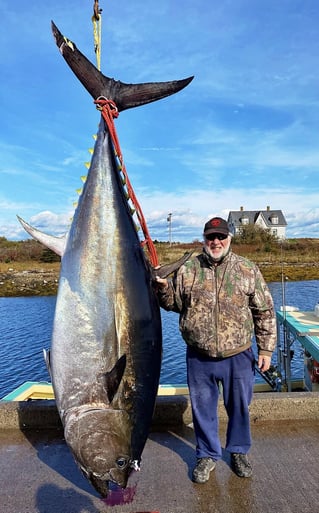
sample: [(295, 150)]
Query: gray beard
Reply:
[(215, 260)]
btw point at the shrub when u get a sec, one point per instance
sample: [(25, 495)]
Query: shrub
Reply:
[(252, 234)]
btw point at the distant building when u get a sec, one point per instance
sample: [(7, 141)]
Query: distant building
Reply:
[(272, 220)]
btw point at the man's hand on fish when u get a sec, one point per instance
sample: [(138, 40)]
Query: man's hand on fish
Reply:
[(162, 283)]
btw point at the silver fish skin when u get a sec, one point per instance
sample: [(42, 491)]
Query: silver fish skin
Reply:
[(106, 346)]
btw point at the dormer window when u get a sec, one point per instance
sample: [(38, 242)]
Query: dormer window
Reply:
[(274, 219)]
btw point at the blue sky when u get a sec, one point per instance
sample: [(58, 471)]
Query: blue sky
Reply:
[(245, 132)]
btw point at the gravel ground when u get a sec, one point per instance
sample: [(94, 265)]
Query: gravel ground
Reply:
[(33, 282)]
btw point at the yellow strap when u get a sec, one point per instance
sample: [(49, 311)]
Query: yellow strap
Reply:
[(97, 36)]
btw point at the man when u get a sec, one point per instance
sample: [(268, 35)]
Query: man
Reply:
[(222, 299)]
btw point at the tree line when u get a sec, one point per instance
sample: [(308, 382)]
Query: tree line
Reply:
[(25, 250), (251, 240)]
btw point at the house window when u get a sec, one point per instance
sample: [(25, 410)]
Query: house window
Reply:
[(274, 219)]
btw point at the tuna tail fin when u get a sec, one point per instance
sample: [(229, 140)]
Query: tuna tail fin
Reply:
[(124, 95), (56, 244), (113, 378), (166, 270)]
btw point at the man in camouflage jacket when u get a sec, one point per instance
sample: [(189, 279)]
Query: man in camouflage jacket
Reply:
[(222, 299)]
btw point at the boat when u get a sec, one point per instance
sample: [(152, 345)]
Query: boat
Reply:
[(33, 390)]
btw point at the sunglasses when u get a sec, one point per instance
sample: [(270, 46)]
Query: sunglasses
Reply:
[(213, 236)]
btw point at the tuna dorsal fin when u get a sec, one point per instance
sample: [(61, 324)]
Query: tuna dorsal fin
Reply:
[(57, 244), (124, 95), (112, 379)]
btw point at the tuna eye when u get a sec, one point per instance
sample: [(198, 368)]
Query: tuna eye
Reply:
[(121, 463)]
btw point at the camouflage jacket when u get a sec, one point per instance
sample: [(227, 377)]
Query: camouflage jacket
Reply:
[(220, 306)]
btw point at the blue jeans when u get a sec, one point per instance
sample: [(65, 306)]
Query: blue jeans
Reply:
[(236, 374)]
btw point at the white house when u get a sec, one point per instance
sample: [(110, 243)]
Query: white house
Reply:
[(272, 220)]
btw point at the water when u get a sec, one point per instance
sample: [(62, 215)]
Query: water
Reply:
[(26, 325), (25, 329)]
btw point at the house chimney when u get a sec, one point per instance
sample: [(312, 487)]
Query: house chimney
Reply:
[(241, 209), (268, 208)]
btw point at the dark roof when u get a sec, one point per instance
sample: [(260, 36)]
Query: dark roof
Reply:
[(235, 216)]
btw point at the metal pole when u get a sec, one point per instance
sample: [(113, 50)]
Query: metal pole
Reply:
[(169, 220), (286, 349)]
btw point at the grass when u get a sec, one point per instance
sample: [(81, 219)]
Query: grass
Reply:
[(296, 259), (28, 265)]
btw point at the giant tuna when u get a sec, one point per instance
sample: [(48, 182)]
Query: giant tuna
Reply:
[(105, 353)]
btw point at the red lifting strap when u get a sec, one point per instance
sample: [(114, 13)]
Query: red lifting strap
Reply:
[(109, 112)]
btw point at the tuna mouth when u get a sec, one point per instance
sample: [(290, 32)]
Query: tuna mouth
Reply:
[(120, 476), (104, 484), (101, 486), (101, 482), (111, 490), (117, 475)]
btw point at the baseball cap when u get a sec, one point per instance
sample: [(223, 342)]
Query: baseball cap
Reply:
[(216, 225)]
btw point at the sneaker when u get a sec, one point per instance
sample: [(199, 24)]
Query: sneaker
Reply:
[(240, 465), (203, 468)]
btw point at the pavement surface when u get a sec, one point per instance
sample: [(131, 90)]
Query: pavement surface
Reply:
[(38, 474)]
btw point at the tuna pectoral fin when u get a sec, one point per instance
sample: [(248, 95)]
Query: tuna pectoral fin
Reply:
[(46, 355), (113, 378), (56, 244), (166, 270)]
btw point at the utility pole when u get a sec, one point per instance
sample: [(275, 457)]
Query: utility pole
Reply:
[(169, 220)]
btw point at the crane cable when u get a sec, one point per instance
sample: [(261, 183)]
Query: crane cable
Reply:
[(97, 32)]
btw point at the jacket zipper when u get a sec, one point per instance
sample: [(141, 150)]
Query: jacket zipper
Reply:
[(217, 290), (216, 306)]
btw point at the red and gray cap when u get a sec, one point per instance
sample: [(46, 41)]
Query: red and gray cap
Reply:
[(216, 225)]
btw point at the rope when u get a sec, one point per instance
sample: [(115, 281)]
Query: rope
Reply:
[(109, 111), (97, 32)]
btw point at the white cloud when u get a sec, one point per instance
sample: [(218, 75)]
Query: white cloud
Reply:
[(202, 205), (244, 132), (50, 222), (45, 221)]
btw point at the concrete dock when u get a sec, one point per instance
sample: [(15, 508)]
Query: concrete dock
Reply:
[(38, 473)]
